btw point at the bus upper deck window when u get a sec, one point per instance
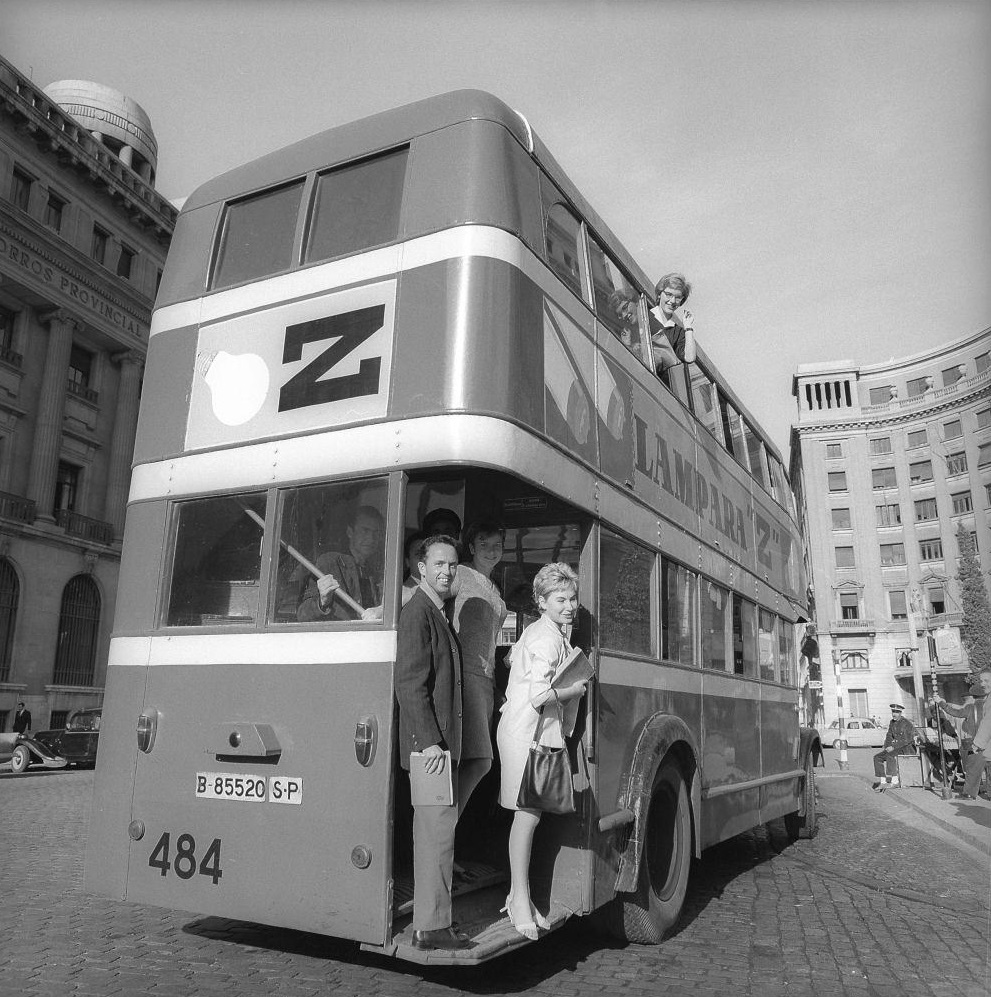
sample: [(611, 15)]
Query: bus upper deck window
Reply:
[(256, 236), (617, 301), (562, 239), (357, 206), (217, 561)]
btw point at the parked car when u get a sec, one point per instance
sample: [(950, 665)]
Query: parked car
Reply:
[(24, 751), (77, 744), (859, 732)]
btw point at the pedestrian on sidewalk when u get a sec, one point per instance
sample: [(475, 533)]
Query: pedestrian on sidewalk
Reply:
[(975, 732), (897, 741)]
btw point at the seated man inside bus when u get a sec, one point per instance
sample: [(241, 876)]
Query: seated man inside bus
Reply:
[(672, 336), (349, 577)]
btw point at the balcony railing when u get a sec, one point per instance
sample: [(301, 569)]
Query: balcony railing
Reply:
[(95, 530), (929, 397), (81, 391), (16, 507), (853, 626), (11, 358)]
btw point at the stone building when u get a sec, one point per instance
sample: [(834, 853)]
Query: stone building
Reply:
[(888, 460), (83, 239)]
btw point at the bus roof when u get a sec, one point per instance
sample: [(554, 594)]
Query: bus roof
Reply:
[(388, 129)]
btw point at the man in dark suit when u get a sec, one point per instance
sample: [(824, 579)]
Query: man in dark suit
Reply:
[(22, 720), (428, 690), (898, 741)]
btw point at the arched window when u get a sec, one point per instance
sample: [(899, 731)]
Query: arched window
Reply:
[(78, 630), (9, 593)]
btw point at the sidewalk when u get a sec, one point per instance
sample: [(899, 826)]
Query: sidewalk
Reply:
[(969, 820)]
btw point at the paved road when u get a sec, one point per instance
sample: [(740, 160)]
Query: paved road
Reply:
[(883, 902)]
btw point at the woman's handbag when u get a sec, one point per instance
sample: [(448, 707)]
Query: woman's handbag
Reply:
[(547, 780)]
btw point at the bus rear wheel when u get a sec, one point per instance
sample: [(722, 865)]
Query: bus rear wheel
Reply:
[(649, 913), (806, 825)]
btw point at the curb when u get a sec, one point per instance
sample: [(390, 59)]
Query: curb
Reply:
[(975, 840)]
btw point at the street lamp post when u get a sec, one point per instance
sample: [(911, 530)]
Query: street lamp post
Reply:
[(842, 760)]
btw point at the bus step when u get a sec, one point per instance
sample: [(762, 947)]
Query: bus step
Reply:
[(475, 876)]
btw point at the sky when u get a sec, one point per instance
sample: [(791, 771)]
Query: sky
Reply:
[(819, 169)]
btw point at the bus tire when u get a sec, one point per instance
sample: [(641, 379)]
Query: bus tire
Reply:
[(805, 825), (652, 911), (20, 759)]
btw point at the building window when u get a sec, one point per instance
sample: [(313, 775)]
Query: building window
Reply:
[(987, 494), (58, 719), (917, 438), (920, 472), (66, 488), (837, 481), (883, 477), (897, 604), (962, 503), (834, 451), (956, 463), (973, 540), (844, 557), (892, 554), (918, 386), (880, 395), (854, 661), (6, 329), (858, 703), (937, 601), (78, 631), (53, 212), (9, 595), (888, 515), (952, 430), (984, 455), (952, 374), (984, 418), (849, 606), (931, 550), (98, 246), (983, 362), (841, 519), (925, 510), (20, 189), (80, 367), (125, 262), (881, 445)]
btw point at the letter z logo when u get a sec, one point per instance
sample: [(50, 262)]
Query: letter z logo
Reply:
[(350, 329)]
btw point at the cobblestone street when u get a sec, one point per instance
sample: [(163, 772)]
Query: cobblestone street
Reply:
[(884, 901)]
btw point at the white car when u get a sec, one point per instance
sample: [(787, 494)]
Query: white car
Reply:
[(859, 732)]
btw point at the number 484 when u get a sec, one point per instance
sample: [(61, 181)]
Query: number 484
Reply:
[(184, 864)]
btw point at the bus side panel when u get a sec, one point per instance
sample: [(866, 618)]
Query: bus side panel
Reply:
[(779, 746), (105, 871), (499, 323), (165, 394), (629, 692), (141, 568), (730, 754), (300, 835)]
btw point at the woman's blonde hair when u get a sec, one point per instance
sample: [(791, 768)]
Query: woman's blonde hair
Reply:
[(552, 577)]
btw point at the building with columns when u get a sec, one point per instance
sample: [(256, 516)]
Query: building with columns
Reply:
[(888, 460), (83, 239)]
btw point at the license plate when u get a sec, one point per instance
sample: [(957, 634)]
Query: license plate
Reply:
[(249, 788)]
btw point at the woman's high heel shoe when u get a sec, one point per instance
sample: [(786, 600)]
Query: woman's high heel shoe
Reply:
[(539, 919), (526, 928)]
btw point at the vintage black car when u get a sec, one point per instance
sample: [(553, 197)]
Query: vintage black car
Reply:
[(77, 744)]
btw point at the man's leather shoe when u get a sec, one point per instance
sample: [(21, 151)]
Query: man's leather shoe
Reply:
[(440, 938)]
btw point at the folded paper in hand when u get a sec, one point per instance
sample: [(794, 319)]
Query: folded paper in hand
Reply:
[(430, 789), (575, 668)]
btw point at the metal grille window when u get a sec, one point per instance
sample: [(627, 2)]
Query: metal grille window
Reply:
[(9, 595), (931, 550), (956, 463), (58, 719), (881, 445), (962, 502), (888, 515), (78, 631)]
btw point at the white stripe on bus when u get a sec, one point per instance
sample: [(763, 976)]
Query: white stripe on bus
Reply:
[(327, 647), (454, 243)]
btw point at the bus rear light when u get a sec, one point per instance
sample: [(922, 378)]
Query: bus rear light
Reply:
[(147, 729), (365, 738)]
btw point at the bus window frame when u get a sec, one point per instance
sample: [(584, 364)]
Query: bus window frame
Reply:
[(654, 596)]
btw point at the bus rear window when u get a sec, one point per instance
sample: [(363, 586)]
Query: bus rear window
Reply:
[(357, 207), (256, 237), (217, 561)]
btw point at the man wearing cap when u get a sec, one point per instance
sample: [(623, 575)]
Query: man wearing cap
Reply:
[(975, 751), (898, 741)]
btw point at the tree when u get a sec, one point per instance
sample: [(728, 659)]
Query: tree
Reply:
[(975, 630)]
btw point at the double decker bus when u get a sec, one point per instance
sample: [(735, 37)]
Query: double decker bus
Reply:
[(419, 311)]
